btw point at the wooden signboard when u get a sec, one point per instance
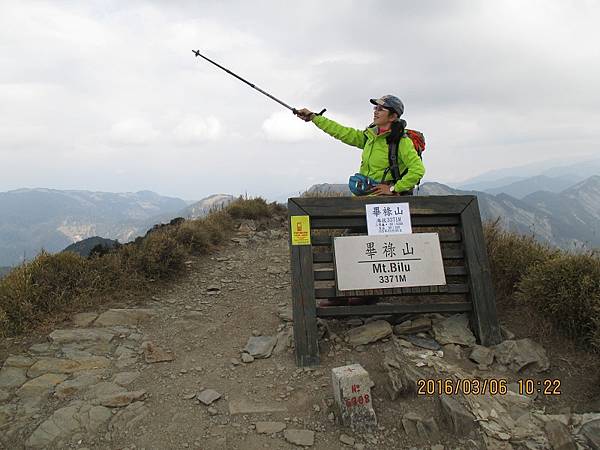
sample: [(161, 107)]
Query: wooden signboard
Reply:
[(456, 221)]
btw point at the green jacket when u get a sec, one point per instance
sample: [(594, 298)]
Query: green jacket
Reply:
[(375, 152)]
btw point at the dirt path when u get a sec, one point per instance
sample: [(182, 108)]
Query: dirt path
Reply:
[(96, 385)]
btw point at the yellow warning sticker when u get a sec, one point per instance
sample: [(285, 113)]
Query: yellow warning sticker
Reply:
[(300, 230)]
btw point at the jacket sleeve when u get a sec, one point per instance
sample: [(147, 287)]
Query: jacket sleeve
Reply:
[(347, 135), (416, 169)]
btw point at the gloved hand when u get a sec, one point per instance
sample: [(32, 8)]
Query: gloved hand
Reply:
[(305, 114)]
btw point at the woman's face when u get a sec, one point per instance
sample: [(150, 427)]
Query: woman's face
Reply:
[(383, 117)]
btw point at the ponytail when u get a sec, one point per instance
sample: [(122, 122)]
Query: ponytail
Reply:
[(396, 132)]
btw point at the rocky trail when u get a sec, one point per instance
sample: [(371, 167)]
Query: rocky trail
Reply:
[(208, 364)]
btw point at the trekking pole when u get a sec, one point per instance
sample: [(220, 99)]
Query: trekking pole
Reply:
[(294, 110)]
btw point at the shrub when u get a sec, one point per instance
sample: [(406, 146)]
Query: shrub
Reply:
[(193, 236), (511, 255), (566, 289), (255, 208), (48, 284), (158, 255)]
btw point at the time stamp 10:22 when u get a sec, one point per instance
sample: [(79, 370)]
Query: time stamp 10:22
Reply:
[(491, 386)]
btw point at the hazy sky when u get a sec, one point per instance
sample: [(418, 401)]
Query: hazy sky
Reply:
[(107, 95)]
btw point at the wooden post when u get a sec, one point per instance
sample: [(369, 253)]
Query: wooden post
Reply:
[(484, 320), (303, 298)]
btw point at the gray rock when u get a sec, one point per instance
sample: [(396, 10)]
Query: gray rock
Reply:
[(22, 362), (518, 355), (208, 396), (452, 351), (345, 439), (418, 429), (413, 326), (371, 332), (506, 333), (591, 430), (455, 416), (82, 335), (128, 417), (43, 348), (269, 427), (4, 395), (429, 430), (12, 377), (559, 437), (403, 378), (76, 385), (78, 417), (286, 314), (121, 399), (7, 413), (305, 438), (454, 330), (83, 320), (409, 423), (260, 346), (68, 366), (125, 378), (124, 317), (285, 340), (357, 322), (103, 389), (155, 354), (422, 342), (41, 386), (482, 355), (247, 358)]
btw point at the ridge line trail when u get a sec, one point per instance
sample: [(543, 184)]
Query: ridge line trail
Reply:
[(207, 332)]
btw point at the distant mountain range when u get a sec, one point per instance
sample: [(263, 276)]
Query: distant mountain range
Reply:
[(558, 204), (543, 176), (35, 219)]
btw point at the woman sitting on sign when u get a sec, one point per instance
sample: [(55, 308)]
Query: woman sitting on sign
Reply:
[(391, 159)]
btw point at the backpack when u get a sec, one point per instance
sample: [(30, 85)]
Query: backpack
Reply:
[(418, 141)]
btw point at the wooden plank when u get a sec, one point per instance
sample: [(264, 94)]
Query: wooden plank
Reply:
[(324, 241), (330, 292), (452, 253), (361, 222), (303, 298), (484, 319), (353, 206), (371, 310)]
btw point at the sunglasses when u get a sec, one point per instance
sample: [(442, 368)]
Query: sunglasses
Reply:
[(380, 108)]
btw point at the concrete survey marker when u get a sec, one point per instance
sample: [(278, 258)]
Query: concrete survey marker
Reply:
[(352, 392)]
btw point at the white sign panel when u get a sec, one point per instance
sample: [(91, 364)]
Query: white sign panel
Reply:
[(389, 218), (388, 261)]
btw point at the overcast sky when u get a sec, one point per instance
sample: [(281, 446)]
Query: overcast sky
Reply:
[(107, 95)]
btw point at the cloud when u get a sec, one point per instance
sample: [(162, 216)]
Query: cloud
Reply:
[(489, 84), (194, 130), (283, 126), (133, 131)]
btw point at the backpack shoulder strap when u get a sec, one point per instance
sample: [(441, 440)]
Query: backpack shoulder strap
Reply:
[(393, 160)]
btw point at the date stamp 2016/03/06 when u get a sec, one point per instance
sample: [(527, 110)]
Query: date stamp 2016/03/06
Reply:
[(490, 386)]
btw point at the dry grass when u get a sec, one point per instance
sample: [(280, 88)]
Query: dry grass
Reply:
[(566, 290), (50, 285), (511, 255)]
